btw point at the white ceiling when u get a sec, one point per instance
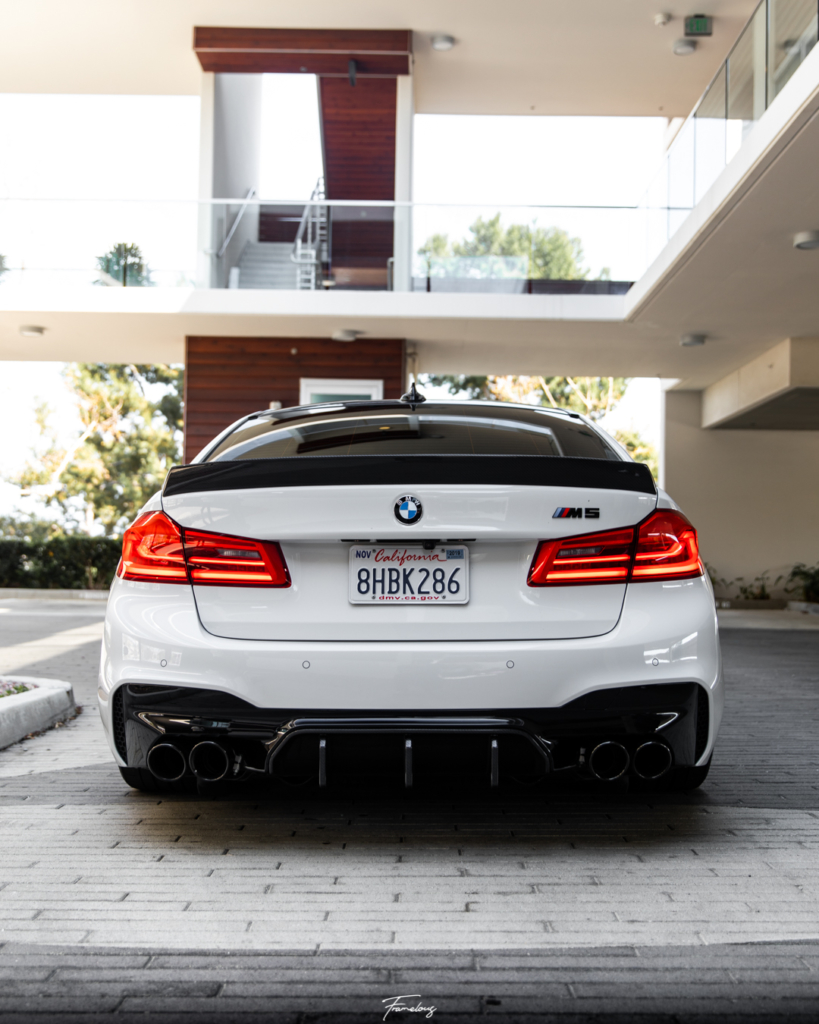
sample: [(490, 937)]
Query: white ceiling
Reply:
[(731, 271), (601, 57)]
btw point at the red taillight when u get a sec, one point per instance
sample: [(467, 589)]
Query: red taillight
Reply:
[(667, 548), (156, 550), (592, 558), (662, 547), (152, 551), (220, 561)]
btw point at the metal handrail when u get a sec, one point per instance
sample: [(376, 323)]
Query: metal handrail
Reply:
[(251, 192), (308, 237)]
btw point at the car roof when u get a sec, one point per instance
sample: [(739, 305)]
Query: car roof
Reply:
[(505, 409)]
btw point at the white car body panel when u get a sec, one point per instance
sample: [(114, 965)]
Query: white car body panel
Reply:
[(672, 624), (503, 521), (307, 649)]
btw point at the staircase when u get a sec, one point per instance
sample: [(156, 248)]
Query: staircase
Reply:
[(268, 265), (296, 265)]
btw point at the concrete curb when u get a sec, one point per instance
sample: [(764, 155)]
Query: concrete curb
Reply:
[(53, 595), (35, 710)]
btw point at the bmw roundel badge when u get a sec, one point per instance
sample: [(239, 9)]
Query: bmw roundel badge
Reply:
[(408, 510)]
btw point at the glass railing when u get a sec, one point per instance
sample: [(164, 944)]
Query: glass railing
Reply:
[(776, 40), (255, 243)]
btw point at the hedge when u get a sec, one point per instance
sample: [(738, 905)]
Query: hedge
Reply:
[(64, 563)]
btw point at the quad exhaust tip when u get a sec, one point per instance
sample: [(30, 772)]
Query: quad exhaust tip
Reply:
[(166, 762), (652, 760), (210, 761), (608, 761)]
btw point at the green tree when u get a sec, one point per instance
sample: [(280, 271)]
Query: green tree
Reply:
[(593, 397), (549, 252), (128, 442), (124, 264)]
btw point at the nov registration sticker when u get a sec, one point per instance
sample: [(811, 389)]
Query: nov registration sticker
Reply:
[(409, 575)]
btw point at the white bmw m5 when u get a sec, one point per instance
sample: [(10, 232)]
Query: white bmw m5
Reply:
[(412, 589)]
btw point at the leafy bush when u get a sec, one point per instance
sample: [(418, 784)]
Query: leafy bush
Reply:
[(61, 563), (806, 578)]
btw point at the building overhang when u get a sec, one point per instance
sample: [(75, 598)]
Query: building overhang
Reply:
[(778, 390), (591, 57)]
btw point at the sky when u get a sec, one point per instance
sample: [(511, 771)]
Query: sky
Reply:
[(78, 164)]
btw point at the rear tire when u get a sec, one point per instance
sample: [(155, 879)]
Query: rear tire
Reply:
[(139, 778), (677, 780), (145, 782), (681, 779)]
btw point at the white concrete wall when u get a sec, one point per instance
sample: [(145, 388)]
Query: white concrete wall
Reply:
[(753, 495), (402, 246), (237, 124)]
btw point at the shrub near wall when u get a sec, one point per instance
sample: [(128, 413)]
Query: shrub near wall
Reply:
[(64, 563)]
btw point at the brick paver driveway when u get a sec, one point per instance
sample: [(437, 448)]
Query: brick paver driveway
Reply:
[(297, 904)]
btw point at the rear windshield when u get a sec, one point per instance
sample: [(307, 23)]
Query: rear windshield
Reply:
[(429, 431)]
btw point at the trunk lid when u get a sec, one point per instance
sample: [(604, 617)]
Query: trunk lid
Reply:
[(499, 523)]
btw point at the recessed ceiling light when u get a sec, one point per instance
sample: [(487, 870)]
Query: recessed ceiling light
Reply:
[(32, 331), (806, 240), (684, 47), (442, 42), (346, 335), (691, 340)]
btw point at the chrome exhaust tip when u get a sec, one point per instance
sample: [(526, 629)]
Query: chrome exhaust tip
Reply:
[(166, 762), (210, 761), (608, 761), (652, 760)]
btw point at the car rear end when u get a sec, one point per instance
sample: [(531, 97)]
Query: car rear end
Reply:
[(410, 588)]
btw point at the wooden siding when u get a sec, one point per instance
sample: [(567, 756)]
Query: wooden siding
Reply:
[(314, 51), (358, 123), (226, 378)]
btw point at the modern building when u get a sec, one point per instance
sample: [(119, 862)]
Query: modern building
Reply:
[(327, 296)]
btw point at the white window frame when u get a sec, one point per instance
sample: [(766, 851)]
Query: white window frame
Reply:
[(374, 389)]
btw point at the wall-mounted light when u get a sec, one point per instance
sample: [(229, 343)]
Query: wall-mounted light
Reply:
[(692, 340), (346, 335), (32, 331), (442, 42), (806, 240), (685, 47)]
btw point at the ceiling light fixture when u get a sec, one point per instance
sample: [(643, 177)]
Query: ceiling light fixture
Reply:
[(806, 240), (442, 42), (660, 20), (346, 335), (684, 47), (692, 340), (32, 331)]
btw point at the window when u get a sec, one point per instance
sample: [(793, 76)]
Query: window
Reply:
[(455, 429), (317, 389)]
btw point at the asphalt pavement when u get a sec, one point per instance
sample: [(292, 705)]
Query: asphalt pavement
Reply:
[(562, 902)]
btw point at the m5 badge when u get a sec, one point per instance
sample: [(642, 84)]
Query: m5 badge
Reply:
[(576, 513)]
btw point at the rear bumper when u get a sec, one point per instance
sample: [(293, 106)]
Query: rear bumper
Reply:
[(667, 634), (282, 741)]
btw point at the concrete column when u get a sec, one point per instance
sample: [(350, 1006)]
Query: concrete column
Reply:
[(237, 106), (402, 238), (752, 494), (204, 216)]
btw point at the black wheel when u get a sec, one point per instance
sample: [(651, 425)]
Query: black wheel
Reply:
[(679, 780), (141, 779)]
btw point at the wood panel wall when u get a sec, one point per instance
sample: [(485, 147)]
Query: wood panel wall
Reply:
[(358, 123), (226, 378), (314, 51)]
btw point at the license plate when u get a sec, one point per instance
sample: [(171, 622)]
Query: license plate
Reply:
[(404, 575)]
